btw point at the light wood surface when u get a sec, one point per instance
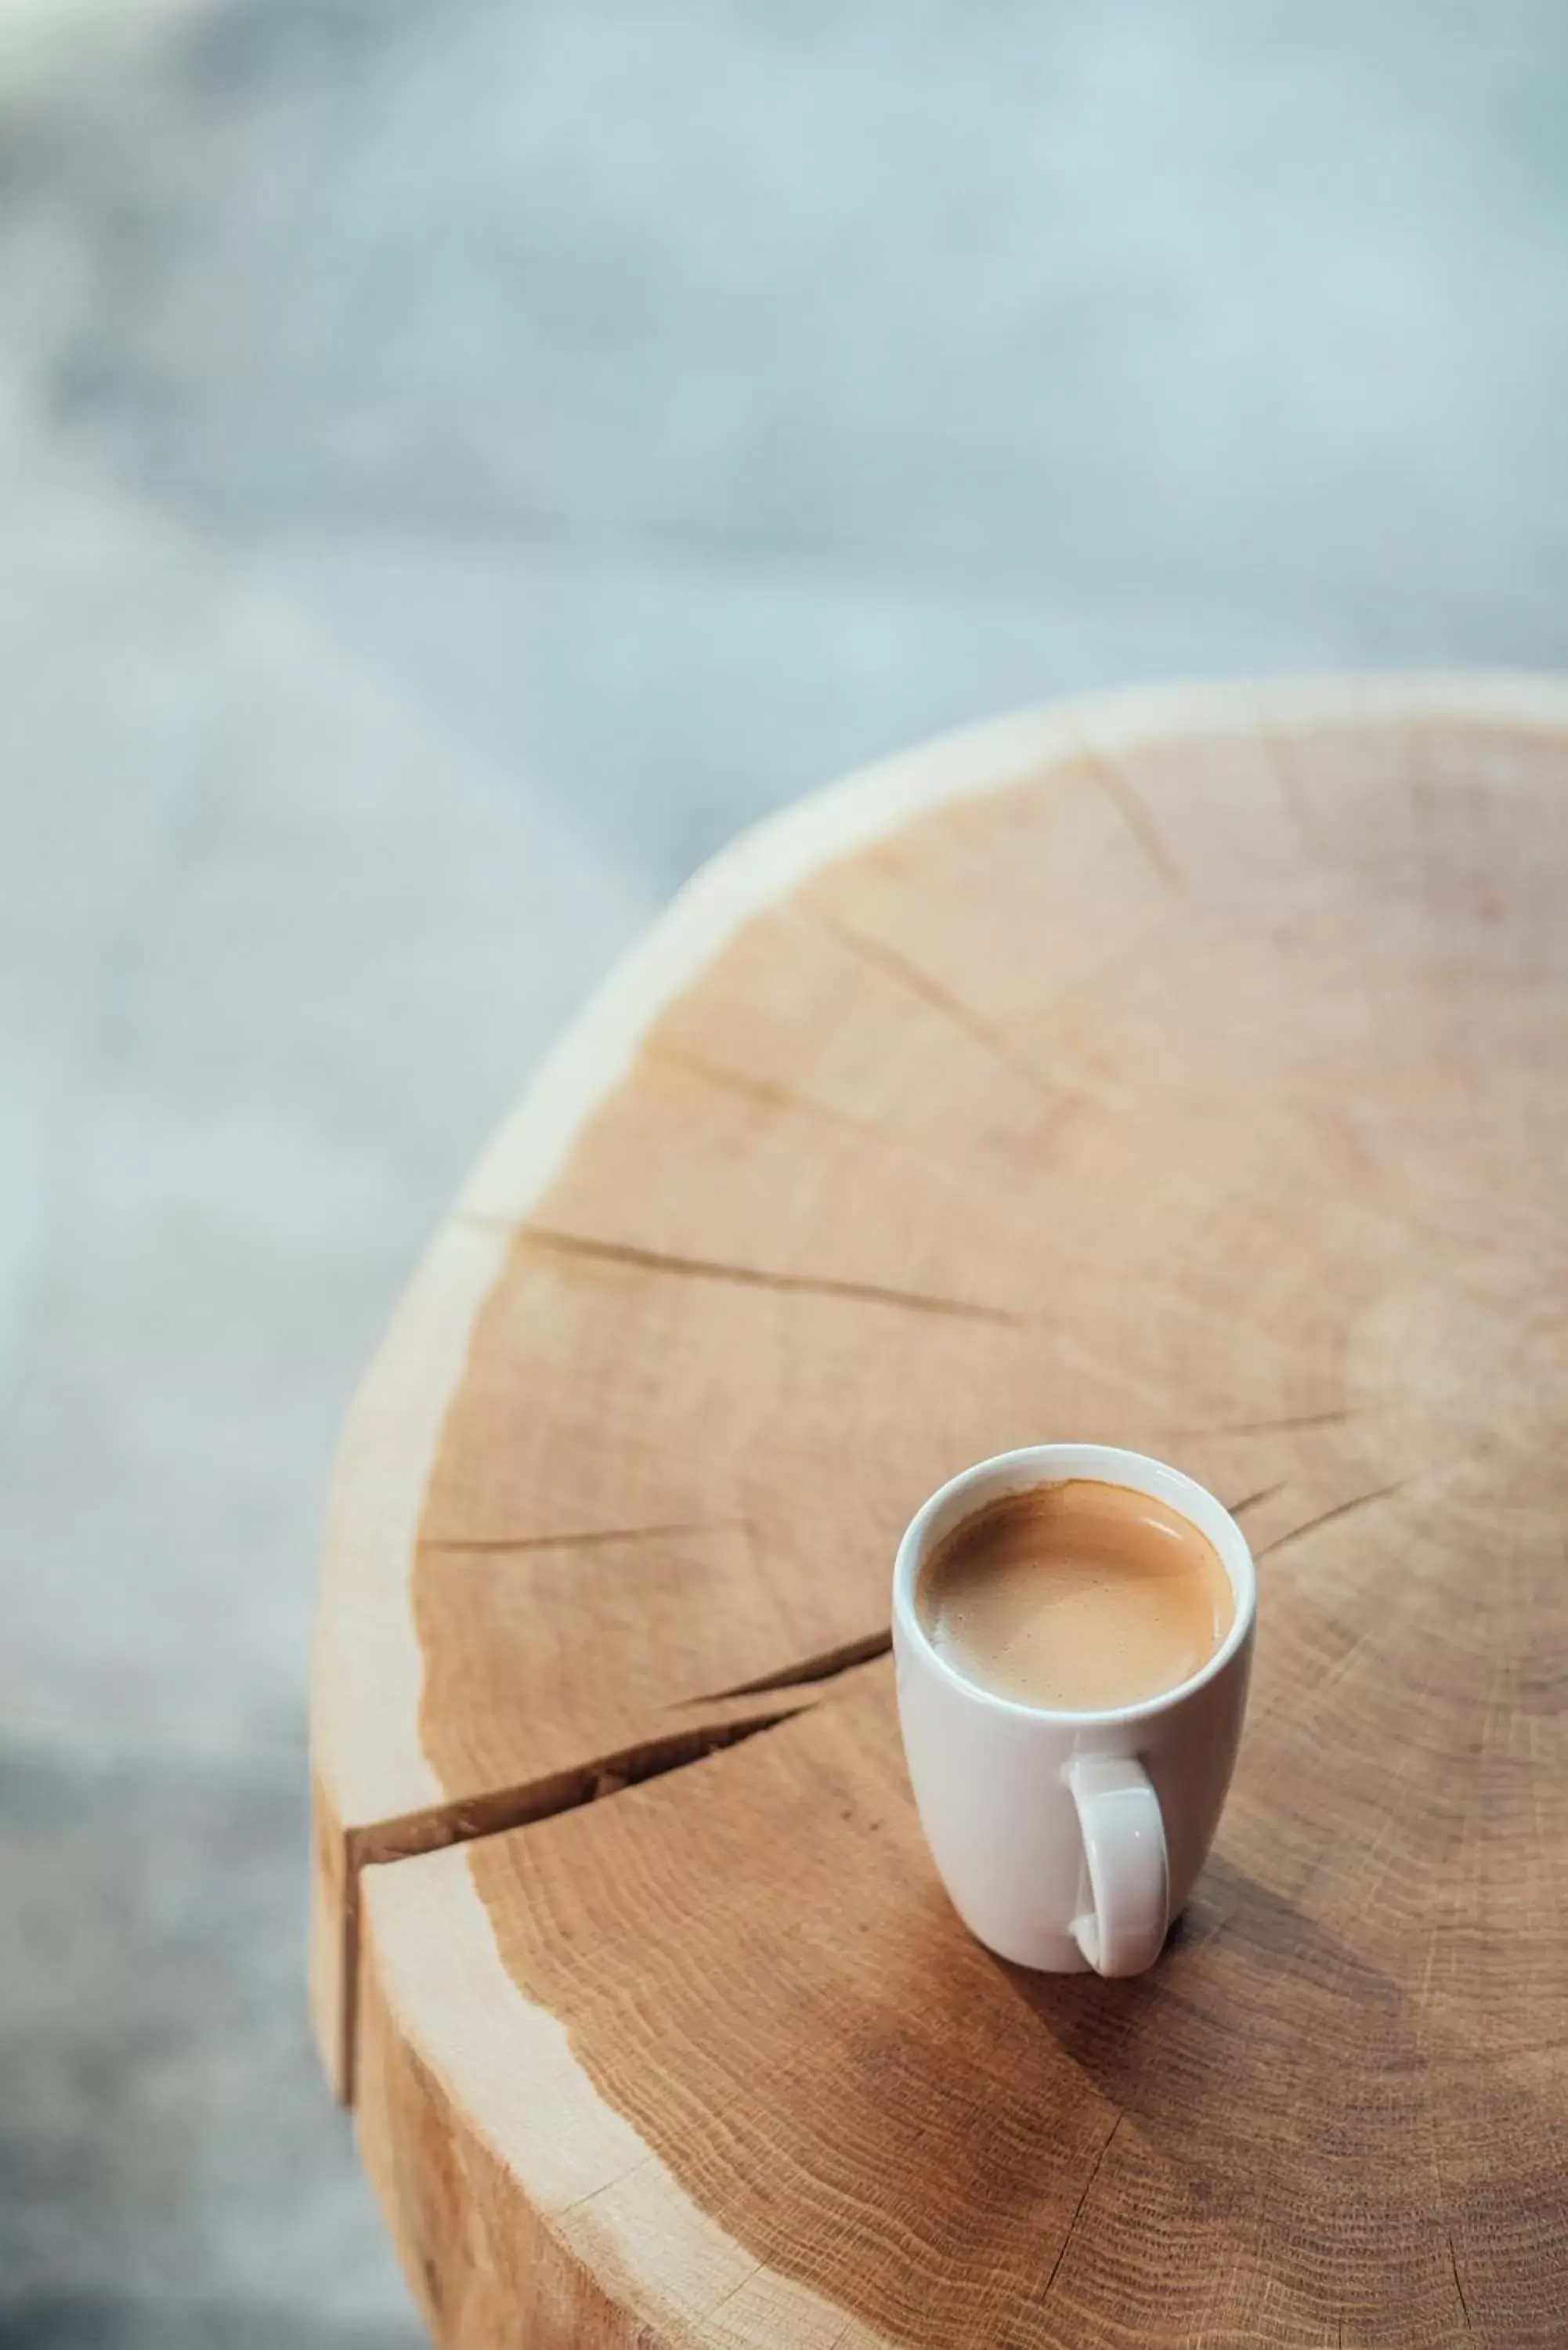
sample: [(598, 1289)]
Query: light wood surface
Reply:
[(1186, 1071)]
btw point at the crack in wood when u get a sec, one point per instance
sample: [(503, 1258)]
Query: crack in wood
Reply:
[(350, 1934), (731, 2291), (1078, 2212), (928, 991), (824, 1667), (1139, 823), (1273, 1427), (1458, 2288), (605, 2187), (772, 1095), (588, 1538), (863, 1293), (1251, 1501), (763, 1090), (471, 1818), (1340, 1509)]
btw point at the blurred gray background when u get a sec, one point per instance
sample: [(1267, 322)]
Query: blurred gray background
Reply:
[(457, 462)]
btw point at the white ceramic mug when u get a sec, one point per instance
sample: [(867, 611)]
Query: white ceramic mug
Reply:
[(1069, 1840)]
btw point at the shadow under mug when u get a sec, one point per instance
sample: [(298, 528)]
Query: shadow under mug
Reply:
[(1070, 1840)]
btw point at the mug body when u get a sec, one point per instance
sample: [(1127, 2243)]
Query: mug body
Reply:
[(993, 1779)]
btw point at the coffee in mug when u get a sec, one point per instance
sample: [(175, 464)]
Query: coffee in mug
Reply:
[(1075, 1596)]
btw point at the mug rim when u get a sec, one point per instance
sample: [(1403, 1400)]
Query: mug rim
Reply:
[(1111, 1463)]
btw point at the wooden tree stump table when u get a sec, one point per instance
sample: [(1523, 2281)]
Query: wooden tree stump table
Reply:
[(1186, 1071)]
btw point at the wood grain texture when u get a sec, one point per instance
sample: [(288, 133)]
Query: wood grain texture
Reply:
[(1184, 1071)]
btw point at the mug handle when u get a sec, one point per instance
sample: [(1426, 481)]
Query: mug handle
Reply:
[(1129, 1873)]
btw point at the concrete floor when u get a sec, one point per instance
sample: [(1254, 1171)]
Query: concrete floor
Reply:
[(456, 464)]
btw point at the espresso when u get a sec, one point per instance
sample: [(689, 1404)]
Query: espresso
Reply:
[(1076, 1596)]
